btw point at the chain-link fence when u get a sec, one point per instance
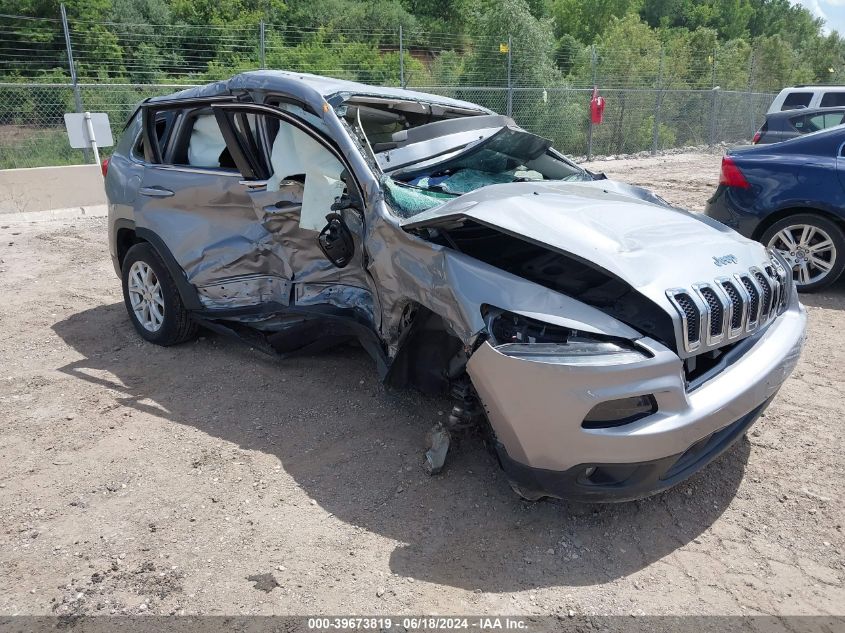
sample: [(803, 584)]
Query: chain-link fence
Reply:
[(32, 132), (654, 101)]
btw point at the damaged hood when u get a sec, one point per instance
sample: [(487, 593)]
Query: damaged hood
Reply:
[(625, 230)]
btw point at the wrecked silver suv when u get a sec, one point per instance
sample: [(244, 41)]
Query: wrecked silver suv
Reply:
[(609, 344)]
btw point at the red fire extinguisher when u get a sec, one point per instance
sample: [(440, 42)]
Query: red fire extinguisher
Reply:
[(596, 107)]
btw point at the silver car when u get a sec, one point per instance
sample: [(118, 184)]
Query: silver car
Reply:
[(608, 344)]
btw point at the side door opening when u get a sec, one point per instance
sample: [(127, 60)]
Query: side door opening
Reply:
[(191, 197), (305, 195)]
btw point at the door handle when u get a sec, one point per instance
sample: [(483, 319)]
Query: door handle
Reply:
[(282, 208), (155, 192), (253, 184)]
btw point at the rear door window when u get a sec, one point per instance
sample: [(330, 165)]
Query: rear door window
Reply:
[(199, 143), (833, 100), (815, 122), (796, 100), (164, 121), (168, 133)]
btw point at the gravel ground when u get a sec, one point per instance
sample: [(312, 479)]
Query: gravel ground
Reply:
[(209, 478)]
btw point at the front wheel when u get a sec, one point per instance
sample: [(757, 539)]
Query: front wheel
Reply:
[(152, 299), (812, 245)]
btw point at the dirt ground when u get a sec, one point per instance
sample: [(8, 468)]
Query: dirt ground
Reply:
[(209, 478)]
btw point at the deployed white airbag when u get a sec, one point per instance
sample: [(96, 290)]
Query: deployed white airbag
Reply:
[(295, 153), (206, 142)]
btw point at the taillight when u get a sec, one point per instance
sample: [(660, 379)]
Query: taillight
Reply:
[(756, 138), (105, 167), (731, 176)]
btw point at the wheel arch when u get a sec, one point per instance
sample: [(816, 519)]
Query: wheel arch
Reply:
[(127, 235), (429, 355), (781, 214)]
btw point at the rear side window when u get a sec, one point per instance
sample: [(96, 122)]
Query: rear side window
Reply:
[(200, 143), (833, 100), (796, 100), (163, 125), (815, 122)]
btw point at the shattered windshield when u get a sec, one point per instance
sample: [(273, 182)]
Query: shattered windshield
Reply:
[(508, 155), (431, 153), (430, 160)]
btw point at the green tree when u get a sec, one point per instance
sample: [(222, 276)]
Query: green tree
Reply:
[(355, 20), (628, 56), (532, 46), (585, 20), (777, 64)]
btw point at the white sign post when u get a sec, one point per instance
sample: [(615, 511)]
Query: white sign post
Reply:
[(89, 129)]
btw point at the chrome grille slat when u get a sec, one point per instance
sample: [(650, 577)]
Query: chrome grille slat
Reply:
[(766, 292), (731, 307), (716, 307), (754, 293), (738, 306), (777, 287)]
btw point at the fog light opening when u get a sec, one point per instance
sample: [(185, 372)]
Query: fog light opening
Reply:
[(619, 412)]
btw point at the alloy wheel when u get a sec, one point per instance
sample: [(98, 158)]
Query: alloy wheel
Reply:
[(808, 249), (146, 297)]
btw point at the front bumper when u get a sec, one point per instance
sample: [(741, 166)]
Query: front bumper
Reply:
[(625, 482), (536, 410)]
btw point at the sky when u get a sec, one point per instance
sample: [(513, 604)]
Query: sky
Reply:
[(833, 12)]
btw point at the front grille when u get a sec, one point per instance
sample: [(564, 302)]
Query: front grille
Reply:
[(767, 293), (717, 311), (715, 314), (736, 304), (691, 316), (784, 276), (754, 304)]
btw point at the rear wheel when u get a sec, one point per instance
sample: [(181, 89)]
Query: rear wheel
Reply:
[(812, 245), (152, 300)]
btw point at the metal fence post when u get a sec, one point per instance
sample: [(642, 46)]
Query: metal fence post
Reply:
[(713, 102), (401, 57), (77, 95), (261, 49), (751, 117), (589, 117), (658, 100), (510, 82)]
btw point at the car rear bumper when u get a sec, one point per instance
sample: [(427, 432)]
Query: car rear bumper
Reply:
[(723, 209), (536, 410)]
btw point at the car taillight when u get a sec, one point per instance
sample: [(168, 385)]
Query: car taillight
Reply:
[(731, 176), (756, 138), (105, 167)]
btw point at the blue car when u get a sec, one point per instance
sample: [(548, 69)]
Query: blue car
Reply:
[(791, 197)]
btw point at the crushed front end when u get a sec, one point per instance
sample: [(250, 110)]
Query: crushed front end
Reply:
[(597, 418)]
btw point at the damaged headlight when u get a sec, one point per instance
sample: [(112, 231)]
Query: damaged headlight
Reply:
[(528, 339)]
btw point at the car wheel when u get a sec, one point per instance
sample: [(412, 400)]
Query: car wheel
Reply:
[(152, 300), (812, 245)]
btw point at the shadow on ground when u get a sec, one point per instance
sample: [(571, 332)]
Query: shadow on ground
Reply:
[(356, 448), (831, 297)]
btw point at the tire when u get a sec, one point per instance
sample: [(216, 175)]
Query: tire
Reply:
[(152, 299), (819, 232)]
